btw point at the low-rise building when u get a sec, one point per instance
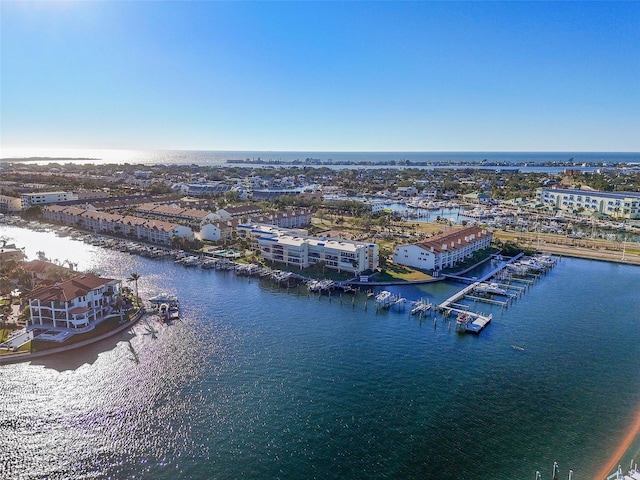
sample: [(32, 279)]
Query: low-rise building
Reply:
[(407, 191), (285, 246), (292, 218), (202, 189), (91, 194), (272, 193), (10, 204), (218, 231), (239, 211), (189, 216), (443, 251), (74, 303), (149, 230), (42, 270), (615, 204), (377, 206), (478, 197), (43, 198), (10, 252)]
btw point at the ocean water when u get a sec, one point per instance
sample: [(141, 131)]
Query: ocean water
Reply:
[(215, 157), (257, 381)]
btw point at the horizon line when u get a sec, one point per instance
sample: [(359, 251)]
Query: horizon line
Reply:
[(313, 151)]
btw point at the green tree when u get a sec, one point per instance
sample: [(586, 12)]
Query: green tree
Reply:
[(134, 277), (232, 196), (32, 213)]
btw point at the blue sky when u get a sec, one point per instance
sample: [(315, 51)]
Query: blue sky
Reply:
[(326, 76)]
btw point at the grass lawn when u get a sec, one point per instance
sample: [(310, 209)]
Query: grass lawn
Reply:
[(394, 273), (104, 327)]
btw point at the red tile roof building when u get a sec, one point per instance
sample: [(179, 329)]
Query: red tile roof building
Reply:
[(74, 303), (149, 230), (444, 250)]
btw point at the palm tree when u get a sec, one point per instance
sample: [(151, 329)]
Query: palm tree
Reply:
[(134, 277), (72, 265)]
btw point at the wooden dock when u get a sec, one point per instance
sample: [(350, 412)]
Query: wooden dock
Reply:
[(446, 305), (488, 300), (476, 321)]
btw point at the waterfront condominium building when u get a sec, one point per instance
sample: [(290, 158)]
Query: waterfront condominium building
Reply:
[(44, 198), (615, 204), (444, 250), (290, 248), (149, 230), (187, 216), (74, 303)]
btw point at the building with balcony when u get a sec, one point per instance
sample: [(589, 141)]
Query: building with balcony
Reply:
[(75, 303), (622, 205), (187, 216), (291, 248), (43, 198), (148, 230)]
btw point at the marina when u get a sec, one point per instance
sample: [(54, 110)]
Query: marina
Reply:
[(484, 290), (331, 382)]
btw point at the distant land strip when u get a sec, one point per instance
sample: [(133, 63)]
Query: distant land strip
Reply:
[(51, 159), (427, 163)]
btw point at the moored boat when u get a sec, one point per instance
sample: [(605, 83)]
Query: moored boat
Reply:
[(165, 305), (384, 299), (518, 268), (462, 320), (492, 288)]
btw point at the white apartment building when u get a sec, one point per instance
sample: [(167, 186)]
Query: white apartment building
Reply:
[(615, 204), (377, 206), (288, 247), (42, 198), (443, 251), (218, 231)]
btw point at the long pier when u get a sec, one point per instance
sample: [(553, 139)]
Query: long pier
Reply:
[(473, 322), (446, 305)]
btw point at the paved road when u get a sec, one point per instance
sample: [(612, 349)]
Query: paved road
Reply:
[(583, 248)]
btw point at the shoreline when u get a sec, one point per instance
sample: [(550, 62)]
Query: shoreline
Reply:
[(120, 341), (587, 253)]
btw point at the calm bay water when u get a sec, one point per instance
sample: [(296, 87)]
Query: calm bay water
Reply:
[(258, 382), (215, 157)]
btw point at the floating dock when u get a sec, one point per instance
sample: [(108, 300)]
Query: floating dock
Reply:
[(471, 322), (479, 323)]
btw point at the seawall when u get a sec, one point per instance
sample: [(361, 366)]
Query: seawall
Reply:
[(28, 356)]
